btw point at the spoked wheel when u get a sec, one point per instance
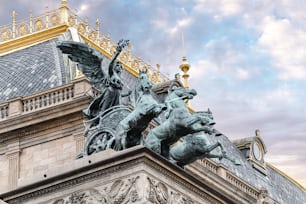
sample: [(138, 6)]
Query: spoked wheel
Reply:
[(99, 141)]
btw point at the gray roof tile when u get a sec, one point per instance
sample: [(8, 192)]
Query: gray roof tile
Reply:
[(31, 70)]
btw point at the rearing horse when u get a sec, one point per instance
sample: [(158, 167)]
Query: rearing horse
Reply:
[(196, 147), (180, 122), (129, 130)]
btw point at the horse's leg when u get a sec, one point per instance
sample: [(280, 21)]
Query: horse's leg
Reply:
[(211, 148), (165, 149)]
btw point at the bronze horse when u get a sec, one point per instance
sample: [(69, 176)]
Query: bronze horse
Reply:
[(129, 130), (179, 123), (196, 147)]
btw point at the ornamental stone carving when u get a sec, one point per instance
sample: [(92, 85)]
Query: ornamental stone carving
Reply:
[(119, 192), (160, 193)]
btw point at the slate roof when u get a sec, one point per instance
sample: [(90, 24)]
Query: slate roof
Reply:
[(279, 187), (31, 70)]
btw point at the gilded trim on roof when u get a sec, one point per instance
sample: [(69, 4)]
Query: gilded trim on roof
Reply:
[(26, 32)]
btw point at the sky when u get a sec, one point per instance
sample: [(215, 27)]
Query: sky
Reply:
[(248, 60)]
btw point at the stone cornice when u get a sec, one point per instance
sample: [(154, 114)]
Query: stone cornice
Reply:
[(104, 164)]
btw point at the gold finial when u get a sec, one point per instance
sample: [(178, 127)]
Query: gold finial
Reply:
[(185, 68), (64, 2), (185, 65), (31, 21), (257, 133), (158, 72), (14, 15), (97, 23), (47, 16), (98, 28)]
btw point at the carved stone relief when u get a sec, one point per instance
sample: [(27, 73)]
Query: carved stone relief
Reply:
[(120, 191), (128, 190), (159, 193)]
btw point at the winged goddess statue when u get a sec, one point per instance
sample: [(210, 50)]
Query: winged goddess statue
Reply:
[(90, 64)]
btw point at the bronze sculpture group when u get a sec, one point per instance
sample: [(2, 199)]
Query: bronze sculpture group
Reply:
[(118, 127)]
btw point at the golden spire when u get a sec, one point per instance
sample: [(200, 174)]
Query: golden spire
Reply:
[(185, 65)]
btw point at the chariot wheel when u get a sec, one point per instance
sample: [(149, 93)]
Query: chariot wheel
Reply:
[(100, 140)]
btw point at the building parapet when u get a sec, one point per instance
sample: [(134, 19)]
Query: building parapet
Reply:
[(223, 172), (231, 178), (46, 99)]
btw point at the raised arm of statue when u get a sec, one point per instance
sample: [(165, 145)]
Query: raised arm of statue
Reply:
[(121, 44)]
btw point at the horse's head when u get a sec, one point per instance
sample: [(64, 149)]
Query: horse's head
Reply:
[(144, 82), (182, 93), (207, 117)]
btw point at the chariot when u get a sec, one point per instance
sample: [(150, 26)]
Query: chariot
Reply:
[(102, 136)]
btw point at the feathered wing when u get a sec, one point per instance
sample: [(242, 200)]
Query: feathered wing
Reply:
[(89, 60)]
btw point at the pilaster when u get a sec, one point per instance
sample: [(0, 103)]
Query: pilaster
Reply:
[(79, 141), (13, 155)]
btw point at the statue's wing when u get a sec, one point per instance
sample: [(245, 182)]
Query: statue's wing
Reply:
[(89, 60)]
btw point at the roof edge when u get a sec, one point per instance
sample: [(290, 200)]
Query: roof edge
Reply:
[(286, 176)]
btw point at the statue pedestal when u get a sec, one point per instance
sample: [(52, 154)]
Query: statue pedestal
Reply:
[(135, 175)]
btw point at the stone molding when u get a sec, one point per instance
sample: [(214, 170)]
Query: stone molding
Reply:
[(19, 121), (108, 167)]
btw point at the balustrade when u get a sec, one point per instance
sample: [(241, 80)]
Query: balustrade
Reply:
[(52, 97)]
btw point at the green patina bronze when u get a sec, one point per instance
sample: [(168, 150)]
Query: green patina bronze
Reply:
[(90, 64), (179, 123), (118, 127), (196, 147), (129, 130)]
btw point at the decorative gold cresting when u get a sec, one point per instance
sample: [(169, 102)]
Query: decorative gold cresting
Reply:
[(98, 27), (51, 24), (64, 12), (14, 15)]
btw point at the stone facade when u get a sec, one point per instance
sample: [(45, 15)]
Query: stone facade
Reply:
[(44, 138), (135, 175)]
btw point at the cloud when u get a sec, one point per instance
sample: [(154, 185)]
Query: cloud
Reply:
[(242, 74), (286, 45), (219, 7)]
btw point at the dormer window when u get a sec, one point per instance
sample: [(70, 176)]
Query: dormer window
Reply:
[(254, 149)]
